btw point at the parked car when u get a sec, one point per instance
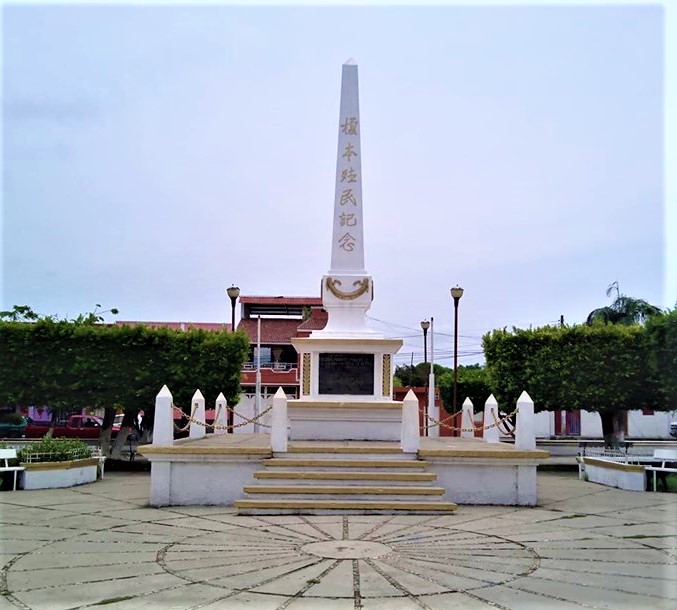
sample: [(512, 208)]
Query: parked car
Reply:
[(77, 426), (673, 429), (12, 425)]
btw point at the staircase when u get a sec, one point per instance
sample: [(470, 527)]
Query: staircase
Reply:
[(337, 480)]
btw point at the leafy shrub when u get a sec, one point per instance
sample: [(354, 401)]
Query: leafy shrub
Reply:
[(72, 366), (597, 368), (55, 450)]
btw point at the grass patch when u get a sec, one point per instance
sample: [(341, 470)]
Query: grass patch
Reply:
[(671, 480), (113, 600)]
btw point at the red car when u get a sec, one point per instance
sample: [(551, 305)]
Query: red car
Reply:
[(77, 426)]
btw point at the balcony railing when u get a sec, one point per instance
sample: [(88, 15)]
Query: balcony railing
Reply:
[(275, 366)]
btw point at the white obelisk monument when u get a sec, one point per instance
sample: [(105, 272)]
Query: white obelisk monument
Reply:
[(346, 369), (347, 289)]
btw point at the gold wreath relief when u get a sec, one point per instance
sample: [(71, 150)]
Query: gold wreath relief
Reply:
[(361, 287)]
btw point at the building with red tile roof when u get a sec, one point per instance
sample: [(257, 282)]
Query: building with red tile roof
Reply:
[(282, 319)]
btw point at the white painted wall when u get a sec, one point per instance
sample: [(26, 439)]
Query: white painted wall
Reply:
[(591, 424), (474, 482), (183, 482), (246, 408), (53, 478), (544, 424), (656, 426), (632, 481), (650, 426)]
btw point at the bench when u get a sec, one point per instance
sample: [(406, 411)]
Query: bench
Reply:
[(5, 456), (666, 456)]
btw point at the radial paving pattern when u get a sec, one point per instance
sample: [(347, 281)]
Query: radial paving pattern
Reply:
[(101, 546)]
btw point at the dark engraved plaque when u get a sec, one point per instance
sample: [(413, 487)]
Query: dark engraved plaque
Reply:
[(346, 374)]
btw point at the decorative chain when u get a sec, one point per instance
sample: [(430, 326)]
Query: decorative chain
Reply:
[(246, 420), (504, 428), (442, 423)]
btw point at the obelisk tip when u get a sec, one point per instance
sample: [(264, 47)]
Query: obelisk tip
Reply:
[(350, 62)]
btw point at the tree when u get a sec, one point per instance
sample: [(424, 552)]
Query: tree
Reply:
[(416, 375), (20, 313), (24, 313), (661, 334), (623, 310), (83, 364), (472, 383), (603, 368)]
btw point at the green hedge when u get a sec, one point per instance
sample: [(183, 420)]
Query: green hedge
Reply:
[(65, 365), (597, 368), (662, 337)]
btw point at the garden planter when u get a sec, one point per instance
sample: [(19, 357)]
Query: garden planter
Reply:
[(49, 475)]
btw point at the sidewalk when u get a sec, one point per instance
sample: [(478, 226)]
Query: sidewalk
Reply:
[(100, 545)]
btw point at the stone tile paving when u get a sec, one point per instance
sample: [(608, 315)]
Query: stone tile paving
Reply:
[(101, 545)]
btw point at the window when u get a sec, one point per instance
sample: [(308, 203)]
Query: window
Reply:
[(266, 356)]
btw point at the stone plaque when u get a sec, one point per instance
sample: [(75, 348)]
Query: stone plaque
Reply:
[(346, 374)]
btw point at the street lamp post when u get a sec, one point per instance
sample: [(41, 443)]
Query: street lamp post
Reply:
[(425, 325), (456, 294), (233, 293)]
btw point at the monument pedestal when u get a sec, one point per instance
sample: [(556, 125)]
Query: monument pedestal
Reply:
[(338, 420), (346, 390)]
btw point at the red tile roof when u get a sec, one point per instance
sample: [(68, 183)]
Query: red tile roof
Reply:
[(281, 300), (317, 321), (279, 330), (176, 325)]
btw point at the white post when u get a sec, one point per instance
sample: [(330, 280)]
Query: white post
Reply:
[(221, 418), (433, 410), (257, 400), (525, 435), (163, 429), (197, 408), (411, 438), (491, 434), (468, 419), (278, 424)]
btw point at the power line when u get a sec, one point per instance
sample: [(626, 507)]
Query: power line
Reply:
[(417, 332)]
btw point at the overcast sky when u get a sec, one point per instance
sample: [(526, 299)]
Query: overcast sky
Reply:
[(155, 155)]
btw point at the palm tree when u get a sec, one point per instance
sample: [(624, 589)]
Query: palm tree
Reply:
[(624, 310)]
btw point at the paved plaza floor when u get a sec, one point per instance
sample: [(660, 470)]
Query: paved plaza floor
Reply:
[(101, 545)]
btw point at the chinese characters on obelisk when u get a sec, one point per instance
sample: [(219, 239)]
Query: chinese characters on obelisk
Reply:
[(348, 247)]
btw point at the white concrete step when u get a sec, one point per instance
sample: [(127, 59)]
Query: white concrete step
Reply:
[(344, 490), (354, 451), (256, 506), (328, 477), (346, 455), (343, 463)]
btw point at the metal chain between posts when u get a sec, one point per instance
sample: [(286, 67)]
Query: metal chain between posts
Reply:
[(505, 431), (192, 420), (442, 423)]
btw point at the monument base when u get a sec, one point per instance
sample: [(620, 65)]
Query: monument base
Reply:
[(343, 420), (326, 477)]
